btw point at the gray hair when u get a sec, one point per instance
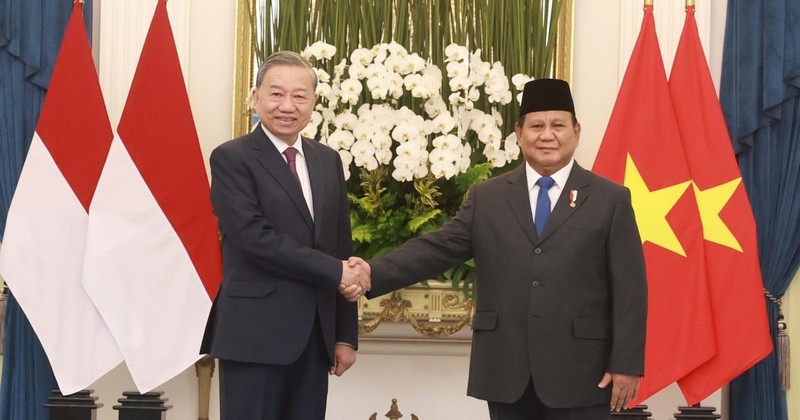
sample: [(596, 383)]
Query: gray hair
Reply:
[(285, 58)]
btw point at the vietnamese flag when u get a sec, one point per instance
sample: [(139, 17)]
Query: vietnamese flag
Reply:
[(153, 262), (642, 150), (739, 311), (43, 248)]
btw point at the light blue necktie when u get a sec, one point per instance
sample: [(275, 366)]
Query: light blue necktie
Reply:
[(542, 204)]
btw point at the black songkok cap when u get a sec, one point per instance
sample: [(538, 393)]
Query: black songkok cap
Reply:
[(546, 95)]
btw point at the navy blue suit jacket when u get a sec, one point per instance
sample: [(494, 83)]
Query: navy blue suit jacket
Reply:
[(281, 269)]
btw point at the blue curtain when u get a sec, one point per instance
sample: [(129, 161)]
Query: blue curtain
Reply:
[(30, 36), (760, 96)]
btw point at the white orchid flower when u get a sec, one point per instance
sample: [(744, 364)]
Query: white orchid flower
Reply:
[(404, 132), (323, 89), (511, 147), (310, 130), (421, 172), (444, 123), (361, 151), (455, 52), (519, 80), (447, 142), (362, 56), (435, 106), (397, 49), (383, 156), (381, 140), (346, 156), (490, 134), (380, 52), (456, 69), (341, 139), (357, 71), (403, 174)]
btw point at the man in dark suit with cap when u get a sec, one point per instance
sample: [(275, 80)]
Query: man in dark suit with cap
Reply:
[(559, 326)]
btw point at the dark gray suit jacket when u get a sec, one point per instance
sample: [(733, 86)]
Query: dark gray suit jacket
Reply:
[(561, 309), (280, 268)]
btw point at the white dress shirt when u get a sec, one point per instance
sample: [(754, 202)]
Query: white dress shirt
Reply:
[(300, 165), (560, 178)]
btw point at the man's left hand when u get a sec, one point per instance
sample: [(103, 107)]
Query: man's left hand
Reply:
[(345, 357), (623, 389)]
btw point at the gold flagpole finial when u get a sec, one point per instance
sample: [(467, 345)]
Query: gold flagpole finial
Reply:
[(648, 2), (689, 3)]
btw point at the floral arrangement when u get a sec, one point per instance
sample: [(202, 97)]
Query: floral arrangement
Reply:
[(413, 137)]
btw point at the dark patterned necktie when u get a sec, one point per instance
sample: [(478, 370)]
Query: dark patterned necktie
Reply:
[(291, 158)]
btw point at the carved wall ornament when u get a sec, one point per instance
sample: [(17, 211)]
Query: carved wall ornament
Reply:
[(434, 311)]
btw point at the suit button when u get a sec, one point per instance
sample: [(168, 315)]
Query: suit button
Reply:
[(537, 251), (535, 284)]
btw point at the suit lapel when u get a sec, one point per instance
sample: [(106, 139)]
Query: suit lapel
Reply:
[(314, 165), (519, 200), (579, 182), (267, 155)]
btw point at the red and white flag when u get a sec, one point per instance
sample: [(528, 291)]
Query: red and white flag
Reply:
[(741, 328), (153, 262), (43, 248)]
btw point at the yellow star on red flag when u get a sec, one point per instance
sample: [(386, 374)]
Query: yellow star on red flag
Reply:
[(651, 208), (710, 203)]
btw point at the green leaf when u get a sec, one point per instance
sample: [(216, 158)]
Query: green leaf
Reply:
[(418, 221), (473, 175), (362, 233)]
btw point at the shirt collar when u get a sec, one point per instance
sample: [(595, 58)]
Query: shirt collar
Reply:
[(560, 176), (281, 146)]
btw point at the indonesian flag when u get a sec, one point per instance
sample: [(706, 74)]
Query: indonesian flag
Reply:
[(739, 311), (642, 150), (153, 261), (42, 254)]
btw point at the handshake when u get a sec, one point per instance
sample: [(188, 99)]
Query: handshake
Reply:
[(356, 278)]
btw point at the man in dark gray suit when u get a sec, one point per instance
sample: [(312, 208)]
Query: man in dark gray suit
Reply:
[(279, 324), (559, 327)]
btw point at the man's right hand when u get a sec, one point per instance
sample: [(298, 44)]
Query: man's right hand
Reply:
[(355, 281), (357, 261)]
